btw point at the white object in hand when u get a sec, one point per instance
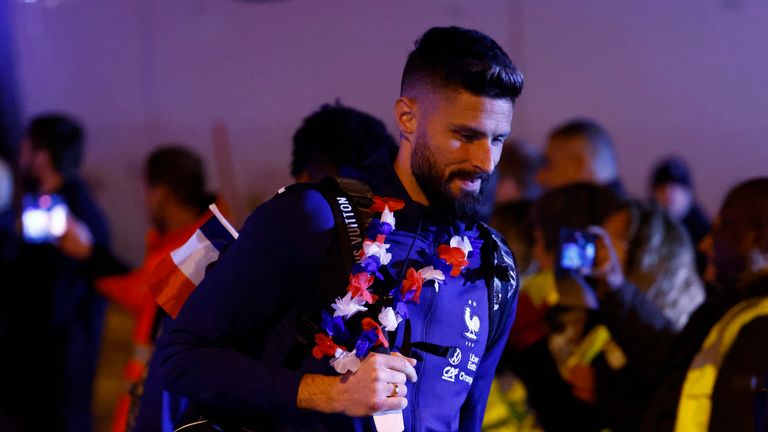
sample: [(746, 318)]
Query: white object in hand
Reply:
[(389, 421)]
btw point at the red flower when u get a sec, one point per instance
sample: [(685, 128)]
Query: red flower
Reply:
[(358, 286), (370, 324), (455, 257), (413, 282), (325, 346), (379, 203)]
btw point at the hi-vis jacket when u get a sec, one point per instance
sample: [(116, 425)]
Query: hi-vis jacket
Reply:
[(696, 404)]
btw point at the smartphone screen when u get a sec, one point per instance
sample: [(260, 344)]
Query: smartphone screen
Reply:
[(43, 217), (577, 249)]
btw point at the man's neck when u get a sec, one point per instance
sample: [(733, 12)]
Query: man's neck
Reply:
[(404, 172), (179, 217)]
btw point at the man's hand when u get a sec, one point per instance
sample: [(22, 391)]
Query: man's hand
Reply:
[(77, 241), (610, 271), (369, 390)]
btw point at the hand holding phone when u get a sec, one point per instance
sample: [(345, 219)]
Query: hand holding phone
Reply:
[(43, 217), (577, 250)]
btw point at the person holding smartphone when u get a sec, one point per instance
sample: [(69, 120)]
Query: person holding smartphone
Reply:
[(712, 374), (54, 316)]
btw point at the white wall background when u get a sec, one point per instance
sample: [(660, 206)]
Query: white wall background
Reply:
[(687, 77)]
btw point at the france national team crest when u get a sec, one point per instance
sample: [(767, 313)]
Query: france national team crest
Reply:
[(471, 320)]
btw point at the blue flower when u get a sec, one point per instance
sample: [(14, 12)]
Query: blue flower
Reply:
[(376, 227), (369, 264), (334, 326)]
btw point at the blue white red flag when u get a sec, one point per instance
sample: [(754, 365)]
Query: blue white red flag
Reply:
[(178, 274)]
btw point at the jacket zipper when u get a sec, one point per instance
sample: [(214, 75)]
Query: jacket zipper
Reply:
[(427, 325)]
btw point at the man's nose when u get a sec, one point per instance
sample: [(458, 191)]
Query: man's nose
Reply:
[(482, 156)]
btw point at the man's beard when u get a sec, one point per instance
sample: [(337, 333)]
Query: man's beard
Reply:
[(464, 207)]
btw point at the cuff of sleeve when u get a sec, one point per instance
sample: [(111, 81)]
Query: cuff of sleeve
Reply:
[(285, 389)]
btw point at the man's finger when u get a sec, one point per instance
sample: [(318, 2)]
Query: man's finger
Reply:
[(400, 364), (410, 360), (394, 403)]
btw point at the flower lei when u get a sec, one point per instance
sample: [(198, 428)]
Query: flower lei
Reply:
[(392, 305)]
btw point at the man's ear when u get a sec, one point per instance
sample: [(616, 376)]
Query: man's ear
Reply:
[(406, 116)]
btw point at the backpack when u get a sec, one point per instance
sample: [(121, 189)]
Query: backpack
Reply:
[(349, 201)]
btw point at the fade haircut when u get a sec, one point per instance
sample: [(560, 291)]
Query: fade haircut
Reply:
[(598, 142), (463, 59), (62, 137)]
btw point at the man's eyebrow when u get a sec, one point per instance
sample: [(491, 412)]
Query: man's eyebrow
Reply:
[(465, 129), (469, 130)]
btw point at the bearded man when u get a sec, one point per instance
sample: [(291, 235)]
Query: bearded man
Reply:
[(435, 309)]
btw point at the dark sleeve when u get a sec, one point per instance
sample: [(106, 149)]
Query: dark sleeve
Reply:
[(473, 409), (641, 330), (201, 356), (550, 396), (739, 397)]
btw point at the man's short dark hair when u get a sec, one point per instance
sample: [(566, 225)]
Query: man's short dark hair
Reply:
[(599, 144), (335, 136), (454, 57), (62, 137), (181, 170)]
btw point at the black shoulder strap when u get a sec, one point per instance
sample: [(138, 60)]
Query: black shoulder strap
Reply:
[(349, 201), (501, 279)]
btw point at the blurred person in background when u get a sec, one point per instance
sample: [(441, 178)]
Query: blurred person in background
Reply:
[(336, 136), (712, 375), (658, 258), (53, 315), (516, 190), (555, 313), (517, 169), (176, 201), (580, 151), (595, 386), (672, 188)]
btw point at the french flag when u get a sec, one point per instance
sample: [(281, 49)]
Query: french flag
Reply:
[(176, 276)]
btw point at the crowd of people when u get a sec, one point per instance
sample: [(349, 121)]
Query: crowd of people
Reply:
[(378, 292)]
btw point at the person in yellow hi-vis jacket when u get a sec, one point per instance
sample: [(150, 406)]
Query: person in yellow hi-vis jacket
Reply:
[(712, 375)]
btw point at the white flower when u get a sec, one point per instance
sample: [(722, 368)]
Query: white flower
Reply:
[(389, 319), (348, 306), (345, 361), (461, 243), (371, 248), (431, 274), (388, 217)]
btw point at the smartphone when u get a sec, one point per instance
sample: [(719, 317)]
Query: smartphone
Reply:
[(577, 250), (43, 217)]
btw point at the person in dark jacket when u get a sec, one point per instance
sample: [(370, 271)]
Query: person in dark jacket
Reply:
[(53, 317), (671, 364), (227, 348), (672, 188)]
